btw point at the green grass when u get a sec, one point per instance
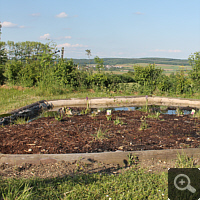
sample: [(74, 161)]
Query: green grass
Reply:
[(132, 184), (135, 183), (12, 98)]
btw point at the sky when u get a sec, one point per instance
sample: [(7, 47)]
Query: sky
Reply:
[(109, 28)]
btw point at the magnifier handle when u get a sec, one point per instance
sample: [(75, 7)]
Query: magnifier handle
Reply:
[(191, 189)]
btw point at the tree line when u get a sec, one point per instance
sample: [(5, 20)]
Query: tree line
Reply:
[(34, 64)]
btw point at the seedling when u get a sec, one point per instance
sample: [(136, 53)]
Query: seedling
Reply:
[(109, 117), (179, 111), (59, 117), (143, 124), (117, 121), (131, 159), (100, 135), (155, 116)]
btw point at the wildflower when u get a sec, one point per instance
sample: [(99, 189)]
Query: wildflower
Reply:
[(86, 98), (193, 111), (108, 112), (146, 97)]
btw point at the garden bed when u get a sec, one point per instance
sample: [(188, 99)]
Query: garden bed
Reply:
[(123, 131)]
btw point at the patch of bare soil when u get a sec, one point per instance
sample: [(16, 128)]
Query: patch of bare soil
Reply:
[(126, 131)]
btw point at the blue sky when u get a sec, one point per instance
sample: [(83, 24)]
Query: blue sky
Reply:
[(109, 28)]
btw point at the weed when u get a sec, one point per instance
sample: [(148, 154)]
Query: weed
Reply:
[(143, 124), (20, 120), (117, 121), (109, 117), (100, 134), (131, 159), (179, 111), (155, 116), (197, 114), (59, 117)]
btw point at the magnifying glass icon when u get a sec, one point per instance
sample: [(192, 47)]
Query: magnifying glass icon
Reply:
[(181, 182)]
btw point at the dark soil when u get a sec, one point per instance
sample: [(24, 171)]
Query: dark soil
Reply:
[(86, 133)]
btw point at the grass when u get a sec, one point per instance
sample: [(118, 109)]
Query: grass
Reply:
[(13, 98), (135, 183), (21, 120)]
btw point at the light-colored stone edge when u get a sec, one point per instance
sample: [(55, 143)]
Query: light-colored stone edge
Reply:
[(126, 101), (106, 157)]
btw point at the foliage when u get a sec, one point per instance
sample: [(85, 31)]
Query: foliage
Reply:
[(155, 116), (143, 124), (147, 77), (99, 63), (194, 61), (3, 60)]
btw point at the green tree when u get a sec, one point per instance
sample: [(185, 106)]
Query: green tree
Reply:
[(3, 60), (99, 63), (88, 53), (194, 61), (147, 76)]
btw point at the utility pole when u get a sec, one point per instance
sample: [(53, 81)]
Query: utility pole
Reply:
[(62, 53)]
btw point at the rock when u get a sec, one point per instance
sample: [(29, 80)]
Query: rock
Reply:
[(121, 148)]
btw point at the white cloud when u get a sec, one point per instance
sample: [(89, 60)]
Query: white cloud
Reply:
[(169, 51), (45, 36), (35, 14), (62, 15), (9, 25), (71, 45), (62, 38), (138, 13)]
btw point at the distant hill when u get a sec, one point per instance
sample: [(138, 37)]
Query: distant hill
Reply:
[(118, 61)]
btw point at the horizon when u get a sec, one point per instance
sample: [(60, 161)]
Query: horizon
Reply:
[(110, 29)]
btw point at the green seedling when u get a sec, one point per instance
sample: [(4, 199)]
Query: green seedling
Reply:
[(131, 159), (117, 121), (20, 121), (109, 117), (59, 117), (154, 116), (143, 124), (179, 111)]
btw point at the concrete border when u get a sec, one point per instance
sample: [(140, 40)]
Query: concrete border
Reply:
[(117, 157), (126, 101)]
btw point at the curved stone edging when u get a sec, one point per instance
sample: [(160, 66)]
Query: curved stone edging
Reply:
[(126, 101), (117, 157)]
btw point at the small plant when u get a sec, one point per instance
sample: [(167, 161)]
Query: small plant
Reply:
[(20, 120), (117, 121), (131, 159), (147, 110), (59, 117), (155, 116), (100, 134), (87, 103), (94, 114), (143, 124), (109, 117), (179, 111)]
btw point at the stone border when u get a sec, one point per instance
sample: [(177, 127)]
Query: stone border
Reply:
[(126, 101), (118, 157)]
